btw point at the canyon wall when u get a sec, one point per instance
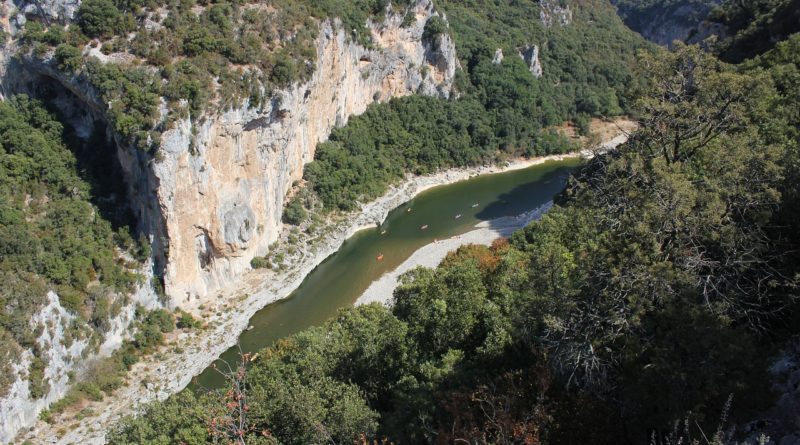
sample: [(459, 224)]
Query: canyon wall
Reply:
[(212, 199), (682, 20), (63, 353), (223, 179)]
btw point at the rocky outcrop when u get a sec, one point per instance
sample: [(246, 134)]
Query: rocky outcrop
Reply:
[(554, 12), (48, 11), (530, 54), (213, 199), (62, 354), (498, 56), (223, 178)]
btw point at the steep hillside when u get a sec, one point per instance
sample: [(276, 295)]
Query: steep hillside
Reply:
[(656, 303), (72, 271), (664, 21), (735, 30), (754, 27), (190, 108), (202, 116), (520, 77)]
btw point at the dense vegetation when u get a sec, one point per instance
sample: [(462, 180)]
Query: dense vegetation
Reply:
[(650, 16), (52, 236), (503, 109), (198, 55), (754, 27), (660, 285), (421, 135)]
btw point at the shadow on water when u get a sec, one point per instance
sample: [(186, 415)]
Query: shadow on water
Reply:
[(550, 185), (436, 214)]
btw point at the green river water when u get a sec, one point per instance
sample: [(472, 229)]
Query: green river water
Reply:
[(339, 280)]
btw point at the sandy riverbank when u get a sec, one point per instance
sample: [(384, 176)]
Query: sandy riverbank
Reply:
[(432, 254), (186, 354), (485, 233)]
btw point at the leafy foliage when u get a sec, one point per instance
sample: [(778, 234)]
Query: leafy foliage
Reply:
[(755, 26), (99, 18), (503, 109), (658, 286), (51, 236), (295, 212)]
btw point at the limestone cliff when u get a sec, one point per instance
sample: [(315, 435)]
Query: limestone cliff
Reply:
[(665, 23), (223, 178), (62, 354), (212, 198)]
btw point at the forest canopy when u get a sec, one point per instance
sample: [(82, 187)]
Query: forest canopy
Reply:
[(503, 111), (658, 287), (52, 236)]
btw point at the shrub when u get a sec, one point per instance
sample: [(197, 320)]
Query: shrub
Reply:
[(433, 27), (583, 122), (68, 57), (98, 18), (259, 262), (187, 321), (283, 70), (295, 213), (161, 319), (37, 384)]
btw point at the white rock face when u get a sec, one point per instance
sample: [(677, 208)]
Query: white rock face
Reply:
[(62, 355), (551, 12), (49, 11), (498, 56), (221, 191), (214, 199), (18, 409), (530, 54)]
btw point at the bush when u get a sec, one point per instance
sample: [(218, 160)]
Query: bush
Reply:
[(433, 27), (68, 57), (98, 18), (187, 321), (161, 319), (583, 122), (295, 213), (283, 69), (38, 386), (148, 337), (260, 262)]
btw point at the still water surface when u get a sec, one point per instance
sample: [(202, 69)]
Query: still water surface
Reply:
[(344, 276)]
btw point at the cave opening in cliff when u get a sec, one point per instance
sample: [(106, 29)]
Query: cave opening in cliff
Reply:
[(91, 141)]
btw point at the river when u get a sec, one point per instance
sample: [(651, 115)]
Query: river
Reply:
[(345, 275)]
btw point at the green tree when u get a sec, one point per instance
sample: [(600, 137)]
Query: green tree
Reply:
[(294, 212), (98, 18)]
